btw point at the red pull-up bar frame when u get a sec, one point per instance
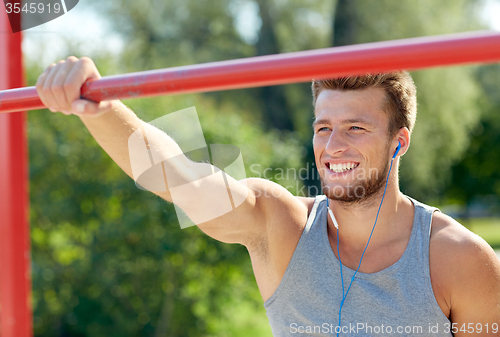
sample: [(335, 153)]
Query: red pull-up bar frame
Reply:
[(411, 54), (15, 259)]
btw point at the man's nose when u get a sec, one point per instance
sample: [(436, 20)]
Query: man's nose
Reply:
[(336, 144)]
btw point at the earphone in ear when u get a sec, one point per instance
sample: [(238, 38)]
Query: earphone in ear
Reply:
[(397, 150)]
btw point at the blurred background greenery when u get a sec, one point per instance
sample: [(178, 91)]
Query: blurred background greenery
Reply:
[(111, 260)]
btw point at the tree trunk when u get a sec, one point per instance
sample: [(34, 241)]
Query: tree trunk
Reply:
[(275, 108), (345, 23)]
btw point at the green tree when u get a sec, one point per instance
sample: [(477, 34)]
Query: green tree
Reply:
[(476, 177)]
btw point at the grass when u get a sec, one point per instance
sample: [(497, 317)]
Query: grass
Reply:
[(487, 228)]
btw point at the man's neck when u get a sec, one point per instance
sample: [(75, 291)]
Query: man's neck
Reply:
[(356, 220)]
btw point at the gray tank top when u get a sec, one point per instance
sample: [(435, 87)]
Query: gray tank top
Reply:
[(397, 301)]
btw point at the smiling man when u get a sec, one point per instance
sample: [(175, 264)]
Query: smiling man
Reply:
[(362, 260)]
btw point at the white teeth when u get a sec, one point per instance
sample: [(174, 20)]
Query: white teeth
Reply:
[(337, 168)]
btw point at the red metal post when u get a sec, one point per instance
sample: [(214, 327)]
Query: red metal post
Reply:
[(15, 276), (411, 54)]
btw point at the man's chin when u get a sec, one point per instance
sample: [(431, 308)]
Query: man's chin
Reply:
[(345, 194), (346, 199), (363, 192)]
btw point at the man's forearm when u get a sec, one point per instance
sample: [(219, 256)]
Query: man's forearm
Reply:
[(112, 130), (144, 152)]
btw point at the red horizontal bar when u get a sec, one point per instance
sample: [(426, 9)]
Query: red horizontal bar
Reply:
[(410, 54)]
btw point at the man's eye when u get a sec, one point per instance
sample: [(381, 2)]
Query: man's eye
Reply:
[(324, 128), (356, 128)]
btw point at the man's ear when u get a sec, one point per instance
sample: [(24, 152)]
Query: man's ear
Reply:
[(402, 140)]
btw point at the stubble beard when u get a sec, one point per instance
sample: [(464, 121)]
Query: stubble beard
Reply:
[(361, 191)]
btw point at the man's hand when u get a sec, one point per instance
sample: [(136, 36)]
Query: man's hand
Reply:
[(59, 87)]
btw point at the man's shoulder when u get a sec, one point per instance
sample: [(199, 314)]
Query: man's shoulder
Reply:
[(457, 244), (456, 240), (464, 258), (465, 271), (453, 243), (283, 211), (307, 202), (269, 189)]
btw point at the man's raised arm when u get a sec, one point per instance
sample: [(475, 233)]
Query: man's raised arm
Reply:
[(111, 123), (199, 190)]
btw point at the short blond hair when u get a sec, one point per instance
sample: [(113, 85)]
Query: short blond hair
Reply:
[(401, 94)]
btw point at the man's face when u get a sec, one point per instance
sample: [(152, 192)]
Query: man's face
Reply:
[(351, 143)]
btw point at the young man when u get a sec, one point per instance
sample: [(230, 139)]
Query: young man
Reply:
[(422, 273)]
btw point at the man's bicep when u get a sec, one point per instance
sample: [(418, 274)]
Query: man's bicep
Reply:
[(255, 203)]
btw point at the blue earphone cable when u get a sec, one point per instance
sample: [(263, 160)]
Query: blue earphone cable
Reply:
[(344, 296)]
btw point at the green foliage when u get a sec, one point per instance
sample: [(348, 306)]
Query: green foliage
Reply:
[(476, 178), (171, 33), (448, 111)]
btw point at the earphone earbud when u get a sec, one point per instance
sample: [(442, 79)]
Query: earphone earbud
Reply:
[(397, 150)]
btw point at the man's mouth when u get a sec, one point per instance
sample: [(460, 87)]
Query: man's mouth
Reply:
[(343, 167)]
